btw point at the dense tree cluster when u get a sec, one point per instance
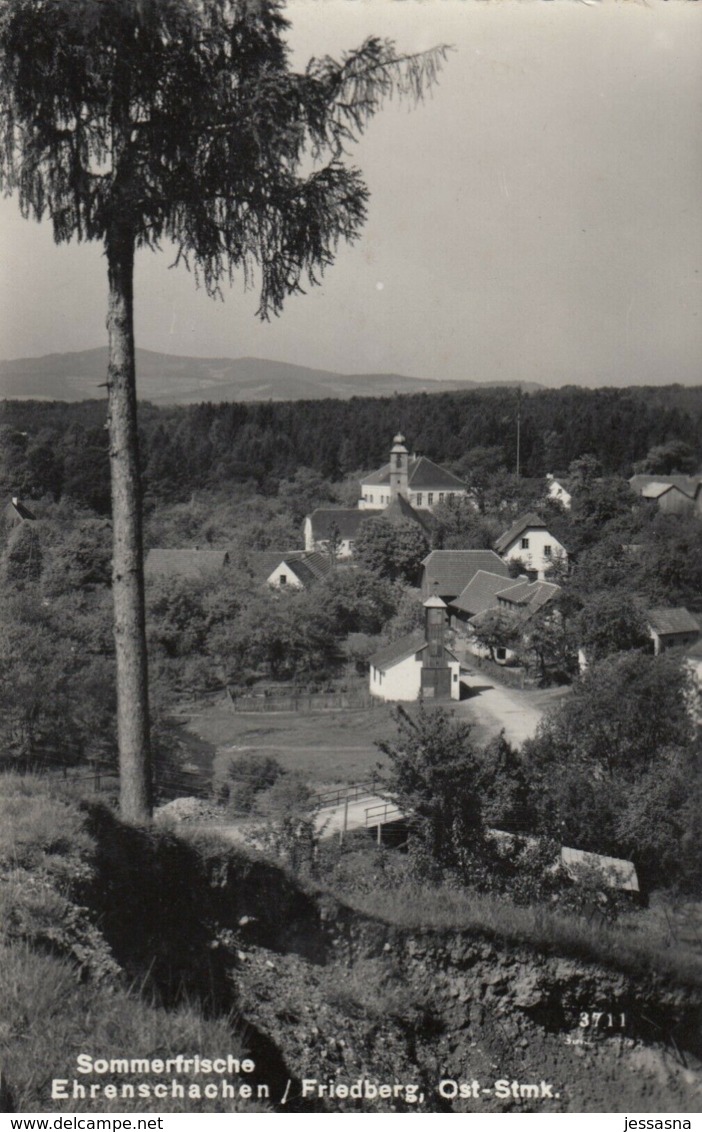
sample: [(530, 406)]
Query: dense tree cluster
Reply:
[(616, 769), (61, 449)]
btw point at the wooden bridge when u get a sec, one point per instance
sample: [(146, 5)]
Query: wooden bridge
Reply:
[(349, 808)]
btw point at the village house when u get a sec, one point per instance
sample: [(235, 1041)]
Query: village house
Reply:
[(521, 598), (676, 494), (420, 664), (527, 598), (558, 492), (668, 629), (294, 569), (530, 543), (672, 628), (333, 530), (446, 573), (479, 595), (406, 489)]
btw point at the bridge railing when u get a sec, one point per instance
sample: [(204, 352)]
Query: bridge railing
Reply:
[(324, 798), (381, 813)]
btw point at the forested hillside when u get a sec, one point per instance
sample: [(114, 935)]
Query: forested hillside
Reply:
[(51, 448)]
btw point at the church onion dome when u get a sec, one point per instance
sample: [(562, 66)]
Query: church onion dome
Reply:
[(398, 444)]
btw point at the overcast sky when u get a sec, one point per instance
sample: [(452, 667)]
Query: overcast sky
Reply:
[(538, 218)]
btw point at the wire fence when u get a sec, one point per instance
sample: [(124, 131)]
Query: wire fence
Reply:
[(301, 702)]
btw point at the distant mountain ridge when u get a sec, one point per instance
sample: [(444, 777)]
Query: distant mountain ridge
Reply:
[(171, 379)]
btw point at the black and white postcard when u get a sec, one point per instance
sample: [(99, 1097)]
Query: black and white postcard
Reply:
[(351, 558)]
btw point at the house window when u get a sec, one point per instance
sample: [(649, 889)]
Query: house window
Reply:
[(451, 496), (455, 677), (500, 654), (430, 498), (441, 497), (419, 499), (283, 580), (398, 460), (547, 551), (370, 498), (525, 544)]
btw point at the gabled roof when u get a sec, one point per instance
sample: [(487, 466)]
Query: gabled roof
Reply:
[(687, 484), (480, 593), (679, 620), (450, 571), (399, 650), (345, 519), (529, 522), (399, 510), (529, 596), (308, 565), (656, 490), (188, 563), (422, 475)]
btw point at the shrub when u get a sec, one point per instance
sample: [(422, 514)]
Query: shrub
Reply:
[(246, 777)]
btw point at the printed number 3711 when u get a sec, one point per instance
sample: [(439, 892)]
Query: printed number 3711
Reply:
[(599, 1019)]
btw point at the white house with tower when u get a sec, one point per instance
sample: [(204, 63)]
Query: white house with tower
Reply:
[(419, 665), (415, 478), (406, 488)]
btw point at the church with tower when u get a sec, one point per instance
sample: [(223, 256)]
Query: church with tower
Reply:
[(418, 480), (408, 487)]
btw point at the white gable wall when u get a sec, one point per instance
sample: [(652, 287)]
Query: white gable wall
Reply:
[(401, 681), (541, 551), (284, 576)]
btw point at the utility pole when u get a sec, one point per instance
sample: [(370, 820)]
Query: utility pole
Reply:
[(519, 423)]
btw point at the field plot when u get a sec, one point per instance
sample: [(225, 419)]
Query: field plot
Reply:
[(337, 747), (330, 748)]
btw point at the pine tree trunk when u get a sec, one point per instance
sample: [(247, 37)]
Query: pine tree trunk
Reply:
[(127, 563)]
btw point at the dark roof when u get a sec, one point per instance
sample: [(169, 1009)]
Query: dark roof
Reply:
[(480, 593), (687, 484), (530, 521), (399, 510), (308, 565), (399, 650), (346, 519), (189, 563), (450, 571), (664, 621), (530, 596), (402, 648), (422, 475), (16, 511)]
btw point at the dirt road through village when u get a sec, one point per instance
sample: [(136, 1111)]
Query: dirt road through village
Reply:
[(493, 707)]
